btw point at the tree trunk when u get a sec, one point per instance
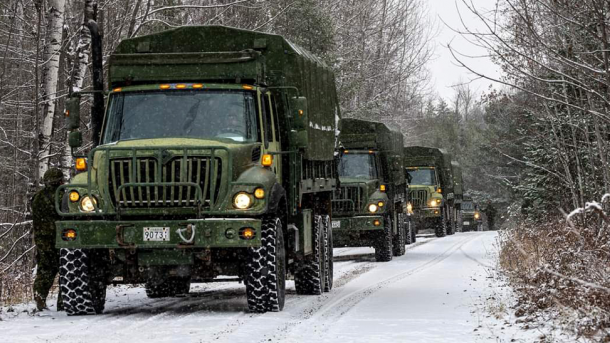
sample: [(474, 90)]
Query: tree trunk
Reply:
[(55, 23)]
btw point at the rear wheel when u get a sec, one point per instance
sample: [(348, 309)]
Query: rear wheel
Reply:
[(383, 248), (82, 282), (408, 230), (266, 269), (309, 278), (168, 287), (328, 253), (400, 239)]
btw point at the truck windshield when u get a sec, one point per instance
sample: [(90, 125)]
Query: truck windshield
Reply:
[(360, 166), (425, 177), (183, 113), (467, 205)]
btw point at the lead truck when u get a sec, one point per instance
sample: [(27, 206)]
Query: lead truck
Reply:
[(215, 163)]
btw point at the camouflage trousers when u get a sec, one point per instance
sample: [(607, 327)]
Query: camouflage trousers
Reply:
[(48, 267)]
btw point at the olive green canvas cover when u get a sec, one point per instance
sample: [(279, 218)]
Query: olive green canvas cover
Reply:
[(370, 135), (219, 54), (421, 156), (457, 180)]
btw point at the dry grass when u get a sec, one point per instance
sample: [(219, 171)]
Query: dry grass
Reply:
[(564, 268)]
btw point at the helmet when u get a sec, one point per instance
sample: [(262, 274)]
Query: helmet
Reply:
[(53, 177)]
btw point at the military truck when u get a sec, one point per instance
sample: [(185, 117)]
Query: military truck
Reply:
[(216, 160), (470, 216), (369, 207), (431, 189)]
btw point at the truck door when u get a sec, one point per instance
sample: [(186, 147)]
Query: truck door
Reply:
[(271, 132)]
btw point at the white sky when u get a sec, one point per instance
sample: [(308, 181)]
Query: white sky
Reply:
[(445, 70)]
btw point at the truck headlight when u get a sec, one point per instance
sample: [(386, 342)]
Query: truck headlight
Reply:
[(435, 203), (477, 215), (409, 208), (87, 203), (373, 208), (242, 201)]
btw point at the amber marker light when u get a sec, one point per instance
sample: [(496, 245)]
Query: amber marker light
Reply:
[(259, 193), (118, 89), (74, 196), (165, 86), (68, 234), (198, 86), (247, 233), (376, 222), (382, 188), (267, 160), (247, 87), (81, 164), (181, 86), (301, 113), (380, 204), (439, 190)]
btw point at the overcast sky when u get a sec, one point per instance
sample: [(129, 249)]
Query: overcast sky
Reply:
[(445, 70)]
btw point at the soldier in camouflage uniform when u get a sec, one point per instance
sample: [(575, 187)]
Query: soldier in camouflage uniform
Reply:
[(44, 217)]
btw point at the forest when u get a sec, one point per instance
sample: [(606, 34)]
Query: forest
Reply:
[(536, 145)]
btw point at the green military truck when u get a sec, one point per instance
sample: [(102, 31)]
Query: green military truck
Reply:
[(431, 189), (470, 216), (216, 160), (369, 207)]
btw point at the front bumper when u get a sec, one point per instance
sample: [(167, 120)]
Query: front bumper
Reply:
[(351, 230), (206, 233), (428, 212)]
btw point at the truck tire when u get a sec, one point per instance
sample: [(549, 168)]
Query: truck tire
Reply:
[(168, 288), (408, 230), (310, 276), (441, 228), (266, 269), (82, 285), (383, 248), (398, 245), (328, 252), (413, 231)]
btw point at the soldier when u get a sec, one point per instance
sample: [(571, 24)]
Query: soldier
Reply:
[(490, 212), (44, 217)]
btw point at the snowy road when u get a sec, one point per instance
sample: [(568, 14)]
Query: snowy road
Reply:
[(434, 293)]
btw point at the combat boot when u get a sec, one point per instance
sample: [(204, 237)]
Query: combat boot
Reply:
[(41, 304)]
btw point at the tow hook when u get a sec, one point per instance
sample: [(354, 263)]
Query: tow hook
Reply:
[(120, 236), (188, 231)]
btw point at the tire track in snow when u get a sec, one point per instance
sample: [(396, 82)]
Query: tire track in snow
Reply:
[(332, 311)]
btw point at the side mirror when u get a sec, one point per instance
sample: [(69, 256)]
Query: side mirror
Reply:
[(298, 106), (75, 139), (73, 112)]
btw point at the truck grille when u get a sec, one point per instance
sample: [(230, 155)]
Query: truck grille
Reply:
[(198, 171), (418, 198), (348, 199)]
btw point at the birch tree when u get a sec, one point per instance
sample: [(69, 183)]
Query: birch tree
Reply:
[(52, 48)]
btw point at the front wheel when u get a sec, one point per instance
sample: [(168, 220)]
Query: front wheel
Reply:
[(82, 282), (266, 269), (441, 228), (383, 248)]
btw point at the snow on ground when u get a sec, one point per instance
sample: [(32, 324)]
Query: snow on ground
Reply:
[(441, 290)]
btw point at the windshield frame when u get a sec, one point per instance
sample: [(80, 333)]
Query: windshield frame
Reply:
[(372, 159), (432, 169), (173, 87)]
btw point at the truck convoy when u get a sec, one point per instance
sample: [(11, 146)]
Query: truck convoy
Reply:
[(369, 207), (216, 159), (433, 192)]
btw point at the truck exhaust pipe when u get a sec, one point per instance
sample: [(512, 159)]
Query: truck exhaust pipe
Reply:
[(97, 111)]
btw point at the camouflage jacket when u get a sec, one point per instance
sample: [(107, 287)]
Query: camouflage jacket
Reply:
[(44, 214)]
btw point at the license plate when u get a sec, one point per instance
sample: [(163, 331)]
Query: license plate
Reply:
[(336, 224), (466, 223), (156, 234)]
